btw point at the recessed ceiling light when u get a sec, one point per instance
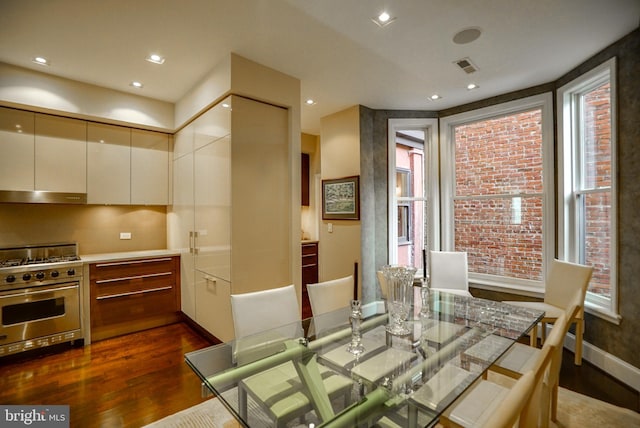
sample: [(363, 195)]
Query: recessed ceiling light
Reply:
[(136, 84), (41, 60), (383, 19), (156, 59), (226, 105), (310, 102), (472, 86), (435, 97)]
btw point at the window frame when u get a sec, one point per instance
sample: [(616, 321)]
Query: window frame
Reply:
[(447, 158), (430, 126), (568, 223)]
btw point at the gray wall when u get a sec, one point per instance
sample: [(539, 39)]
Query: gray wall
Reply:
[(619, 340)]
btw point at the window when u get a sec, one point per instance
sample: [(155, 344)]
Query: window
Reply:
[(413, 181), (586, 185), (497, 187)]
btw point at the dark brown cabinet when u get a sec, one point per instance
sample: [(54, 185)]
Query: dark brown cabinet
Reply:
[(309, 273), (133, 295)]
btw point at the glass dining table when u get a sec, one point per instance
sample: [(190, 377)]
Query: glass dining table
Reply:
[(304, 375)]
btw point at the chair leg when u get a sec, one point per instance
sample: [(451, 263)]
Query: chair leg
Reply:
[(579, 334), (533, 338), (554, 403), (543, 333)]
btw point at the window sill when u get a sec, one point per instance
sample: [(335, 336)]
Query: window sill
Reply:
[(602, 313), (500, 285)]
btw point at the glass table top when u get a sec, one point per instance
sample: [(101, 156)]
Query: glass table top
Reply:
[(303, 375)]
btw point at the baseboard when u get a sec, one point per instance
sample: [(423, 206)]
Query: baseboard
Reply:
[(608, 363)]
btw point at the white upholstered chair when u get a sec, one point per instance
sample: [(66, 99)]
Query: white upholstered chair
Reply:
[(328, 296), (449, 272), (329, 299), (562, 283), (520, 358), (487, 404), (278, 391)]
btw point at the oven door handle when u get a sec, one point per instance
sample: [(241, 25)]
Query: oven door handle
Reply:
[(31, 291)]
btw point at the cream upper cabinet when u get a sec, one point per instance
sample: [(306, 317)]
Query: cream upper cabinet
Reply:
[(60, 154), (17, 147), (212, 125), (108, 164), (183, 141), (149, 168)]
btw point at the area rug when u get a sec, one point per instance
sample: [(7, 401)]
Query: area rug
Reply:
[(574, 411)]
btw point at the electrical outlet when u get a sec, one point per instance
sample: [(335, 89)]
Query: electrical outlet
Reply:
[(125, 235)]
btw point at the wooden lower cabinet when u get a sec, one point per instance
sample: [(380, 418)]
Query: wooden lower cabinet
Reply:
[(133, 295), (309, 273)]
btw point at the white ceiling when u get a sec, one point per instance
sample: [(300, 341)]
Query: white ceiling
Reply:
[(341, 57)]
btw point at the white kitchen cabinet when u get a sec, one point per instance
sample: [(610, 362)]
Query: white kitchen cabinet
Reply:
[(18, 149), (181, 228), (183, 141), (108, 164), (213, 308), (149, 168), (240, 211), (60, 154)]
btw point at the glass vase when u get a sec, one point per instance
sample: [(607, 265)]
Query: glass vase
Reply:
[(400, 296)]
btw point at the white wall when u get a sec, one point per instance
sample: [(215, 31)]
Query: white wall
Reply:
[(24, 88)]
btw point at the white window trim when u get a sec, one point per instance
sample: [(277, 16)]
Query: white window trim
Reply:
[(594, 305), (430, 128), (447, 159)]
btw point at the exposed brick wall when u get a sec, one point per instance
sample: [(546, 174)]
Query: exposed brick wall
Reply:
[(500, 156), (597, 154)]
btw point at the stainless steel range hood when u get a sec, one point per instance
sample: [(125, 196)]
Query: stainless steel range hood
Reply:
[(42, 197)]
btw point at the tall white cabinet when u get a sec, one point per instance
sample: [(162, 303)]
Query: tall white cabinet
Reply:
[(231, 207)]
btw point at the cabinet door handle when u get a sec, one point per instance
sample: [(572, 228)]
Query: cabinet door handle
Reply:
[(133, 262), (191, 241), (132, 293), (196, 250), (128, 278)]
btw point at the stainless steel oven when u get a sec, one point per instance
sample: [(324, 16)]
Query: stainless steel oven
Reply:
[(40, 289)]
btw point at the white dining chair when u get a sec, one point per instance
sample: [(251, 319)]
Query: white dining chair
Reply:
[(487, 404), (519, 358), (562, 283), (327, 296), (278, 391), (449, 272)]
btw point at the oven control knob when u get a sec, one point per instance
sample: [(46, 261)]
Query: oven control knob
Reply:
[(10, 278), (71, 272), (26, 277), (40, 275), (55, 274)]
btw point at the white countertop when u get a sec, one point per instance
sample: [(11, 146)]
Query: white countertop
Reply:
[(93, 258)]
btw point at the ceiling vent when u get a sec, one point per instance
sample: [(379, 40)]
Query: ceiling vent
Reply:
[(466, 65)]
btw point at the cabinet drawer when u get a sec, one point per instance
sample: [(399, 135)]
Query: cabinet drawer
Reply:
[(131, 295), (309, 249)]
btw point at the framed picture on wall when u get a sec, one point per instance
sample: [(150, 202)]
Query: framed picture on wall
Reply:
[(341, 198)]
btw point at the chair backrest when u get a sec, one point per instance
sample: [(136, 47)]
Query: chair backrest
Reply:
[(384, 289), (264, 310), (564, 281), (531, 412), (556, 340), (506, 415), (449, 269), (327, 296)]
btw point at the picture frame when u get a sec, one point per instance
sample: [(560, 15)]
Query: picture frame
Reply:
[(341, 198)]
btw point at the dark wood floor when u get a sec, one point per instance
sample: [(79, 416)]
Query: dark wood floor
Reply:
[(128, 381), (136, 379)]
